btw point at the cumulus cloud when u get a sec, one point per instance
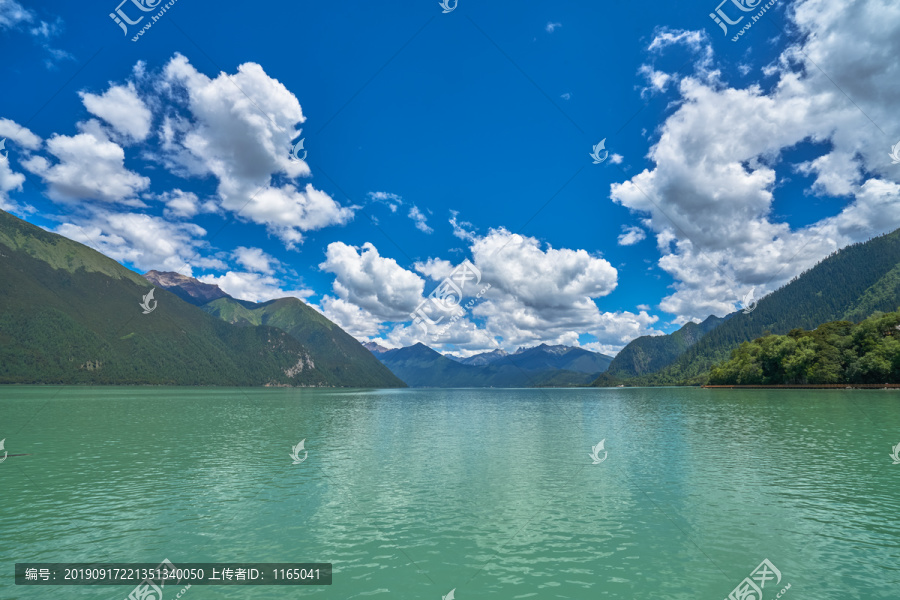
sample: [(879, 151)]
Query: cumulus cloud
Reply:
[(710, 192), (20, 135), (551, 26), (239, 128), (356, 321), (181, 204), (254, 287), (255, 259), (631, 236), (374, 283), (11, 180), (145, 241), (123, 109), (90, 167), (518, 292)]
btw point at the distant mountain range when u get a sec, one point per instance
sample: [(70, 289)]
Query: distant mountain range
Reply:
[(69, 315), (851, 284), (420, 366)]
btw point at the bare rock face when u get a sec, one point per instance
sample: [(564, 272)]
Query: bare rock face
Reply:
[(187, 288), (375, 348)]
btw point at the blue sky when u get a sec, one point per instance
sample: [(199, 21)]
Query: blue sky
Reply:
[(437, 137)]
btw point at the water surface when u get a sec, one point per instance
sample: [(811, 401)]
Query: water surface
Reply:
[(412, 493)]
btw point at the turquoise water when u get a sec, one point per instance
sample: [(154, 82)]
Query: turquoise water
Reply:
[(412, 493)]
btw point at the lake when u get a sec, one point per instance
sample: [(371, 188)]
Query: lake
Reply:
[(488, 492)]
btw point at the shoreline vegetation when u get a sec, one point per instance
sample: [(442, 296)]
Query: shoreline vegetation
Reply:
[(824, 386), (838, 353)]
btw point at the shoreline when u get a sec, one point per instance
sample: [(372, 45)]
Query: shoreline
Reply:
[(822, 386)]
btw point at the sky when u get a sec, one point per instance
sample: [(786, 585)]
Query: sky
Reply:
[(734, 156)]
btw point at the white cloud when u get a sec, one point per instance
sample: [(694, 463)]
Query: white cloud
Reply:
[(255, 259), (566, 96), (714, 162), (121, 107), (12, 13), (20, 135), (435, 269), (239, 128), (356, 321), (420, 220), (90, 167), (181, 204), (459, 229), (254, 287), (631, 236), (145, 241), (393, 201), (551, 26), (372, 282), (9, 181)]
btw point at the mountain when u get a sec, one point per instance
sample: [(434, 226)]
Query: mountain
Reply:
[(479, 360), (650, 353), (187, 288), (69, 315), (568, 358), (420, 366), (338, 357), (850, 284), (375, 348)]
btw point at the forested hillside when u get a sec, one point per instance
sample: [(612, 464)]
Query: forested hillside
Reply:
[(851, 283), (835, 352)]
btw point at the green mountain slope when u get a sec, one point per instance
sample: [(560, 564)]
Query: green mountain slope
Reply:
[(853, 281), (68, 315), (648, 353), (337, 355)]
